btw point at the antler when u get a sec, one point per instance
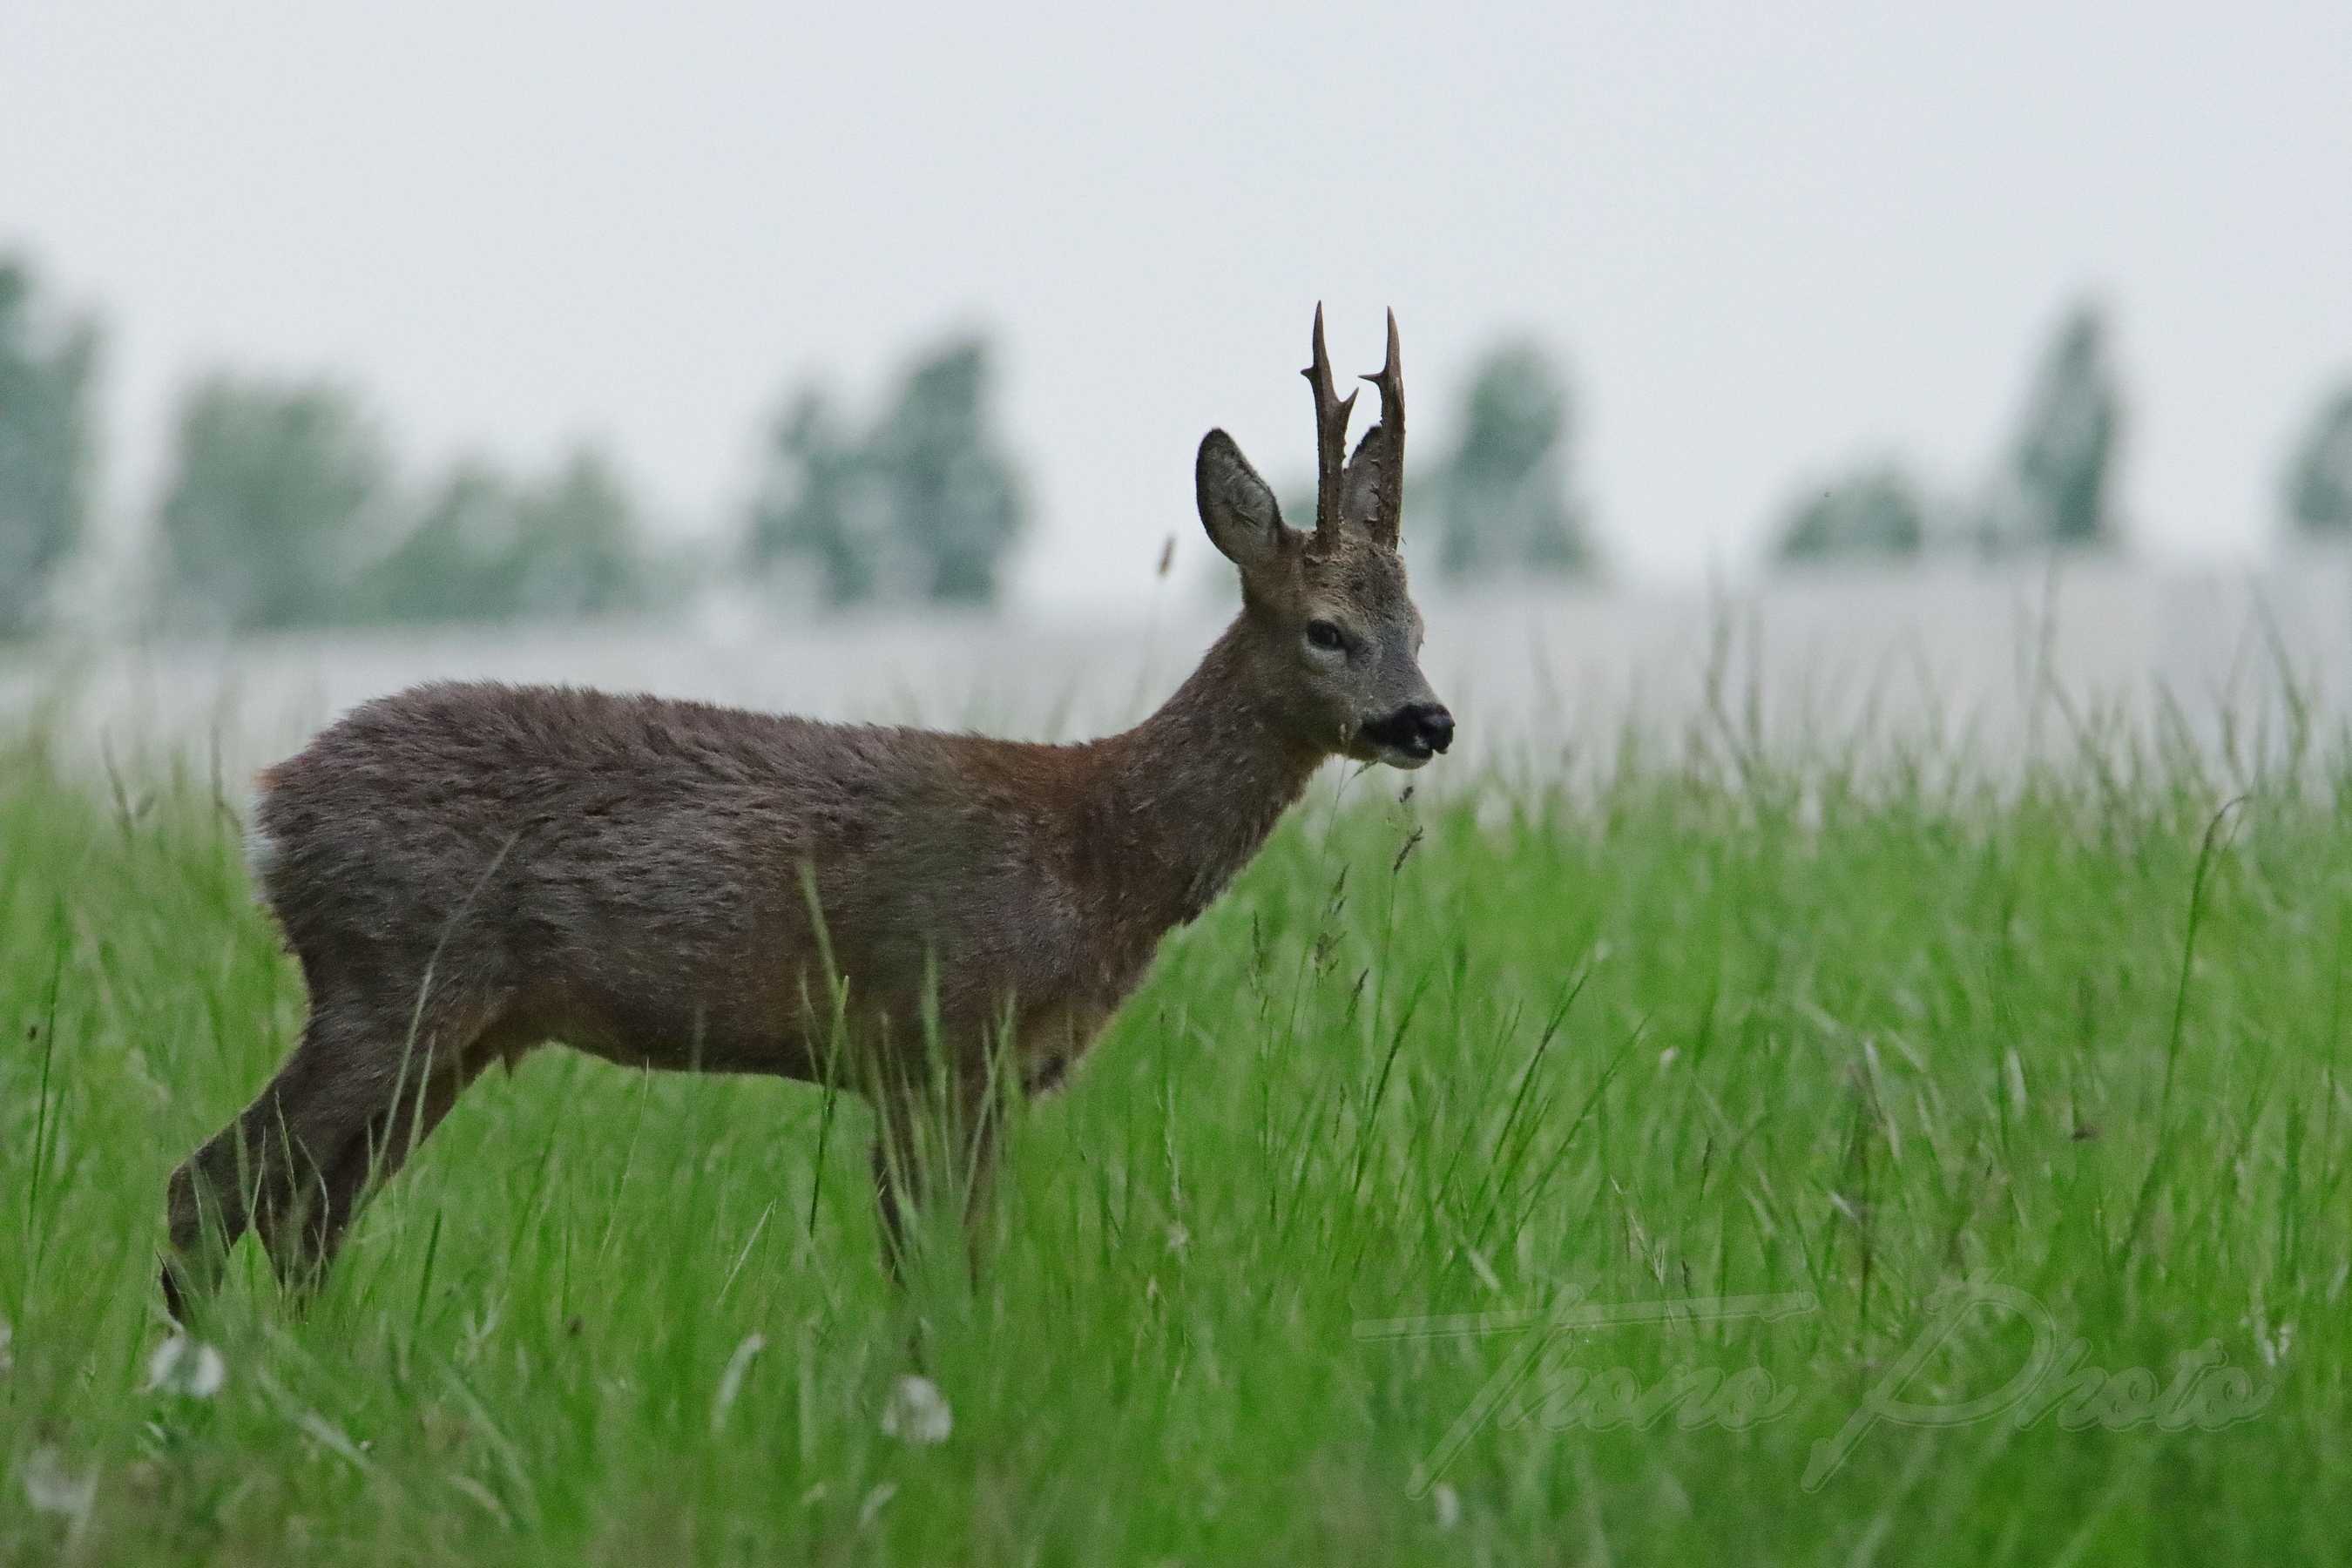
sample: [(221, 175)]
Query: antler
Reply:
[(1387, 520), (1331, 413)]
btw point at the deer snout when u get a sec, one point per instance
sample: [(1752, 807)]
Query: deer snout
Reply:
[(1434, 724), (1413, 735)]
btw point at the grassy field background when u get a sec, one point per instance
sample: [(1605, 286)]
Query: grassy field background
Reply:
[(1967, 1163)]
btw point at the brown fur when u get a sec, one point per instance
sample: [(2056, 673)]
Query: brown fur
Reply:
[(466, 872)]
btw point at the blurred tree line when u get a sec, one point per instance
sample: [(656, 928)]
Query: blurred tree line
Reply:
[(282, 510), (46, 366), (282, 506), (2054, 488), (923, 503)]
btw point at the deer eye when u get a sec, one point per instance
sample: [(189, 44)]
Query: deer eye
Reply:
[(1325, 635)]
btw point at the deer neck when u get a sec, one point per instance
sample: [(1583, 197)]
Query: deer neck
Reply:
[(1187, 797)]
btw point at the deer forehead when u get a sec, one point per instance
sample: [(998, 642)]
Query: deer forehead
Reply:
[(1365, 578)]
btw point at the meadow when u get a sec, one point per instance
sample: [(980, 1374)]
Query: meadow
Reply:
[(1778, 1161)]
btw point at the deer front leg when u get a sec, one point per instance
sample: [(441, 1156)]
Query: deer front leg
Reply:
[(928, 1147)]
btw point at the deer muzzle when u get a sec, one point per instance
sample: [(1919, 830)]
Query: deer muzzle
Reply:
[(1413, 735)]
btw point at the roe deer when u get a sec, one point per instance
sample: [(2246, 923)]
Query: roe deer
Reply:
[(466, 872)]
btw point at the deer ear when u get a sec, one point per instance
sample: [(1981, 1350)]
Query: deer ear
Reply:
[(1360, 489), (1236, 506)]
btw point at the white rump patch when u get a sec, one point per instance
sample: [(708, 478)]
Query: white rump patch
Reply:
[(261, 853)]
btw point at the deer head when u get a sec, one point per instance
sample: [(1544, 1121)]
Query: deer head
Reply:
[(1330, 638)]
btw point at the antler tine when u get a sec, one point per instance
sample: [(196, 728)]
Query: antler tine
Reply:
[(1331, 413), (1388, 516)]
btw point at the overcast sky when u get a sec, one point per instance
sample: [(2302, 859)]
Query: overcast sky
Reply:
[(1766, 247)]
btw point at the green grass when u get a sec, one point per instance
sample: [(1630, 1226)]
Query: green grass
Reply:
[(1846, 1038)]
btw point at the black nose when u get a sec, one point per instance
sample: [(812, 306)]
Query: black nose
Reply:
[(1432, 723)]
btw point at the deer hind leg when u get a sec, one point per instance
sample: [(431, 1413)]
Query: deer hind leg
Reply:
[(303, 1251), (253, 1167), (293, 1163)]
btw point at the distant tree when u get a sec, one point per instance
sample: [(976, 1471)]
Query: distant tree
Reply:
[(273, 489), (955, 499), (455, 562), (2058, 489), (484, 548), (44, 445), (1874, 513), (2319, 477), (815, 504), (1502, 497), (925, 504), (575, 542)]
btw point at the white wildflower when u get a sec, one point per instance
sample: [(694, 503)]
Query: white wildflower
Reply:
[(6, 1360), (188, 1368), (917, 1412), (1448, 1503), (52, 1487), (875, 1501)]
